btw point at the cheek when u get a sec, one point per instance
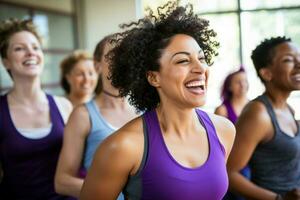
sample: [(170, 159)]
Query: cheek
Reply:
[(76, 80)]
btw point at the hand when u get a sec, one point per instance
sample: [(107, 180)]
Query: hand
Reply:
[(292, 195)]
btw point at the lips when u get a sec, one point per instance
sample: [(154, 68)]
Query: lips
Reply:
[(196, 86), (30, 62), (296, 77)]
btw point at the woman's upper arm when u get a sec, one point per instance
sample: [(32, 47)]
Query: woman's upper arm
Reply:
[(75, 134), (221, 110), (252, 128)]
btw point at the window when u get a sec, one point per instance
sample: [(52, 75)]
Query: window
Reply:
[(241, 25)]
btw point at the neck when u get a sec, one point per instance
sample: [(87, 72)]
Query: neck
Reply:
[(27, 89), (30, 97), (108, 101), (240, 100), (177, 121), (110, 94), (278, 100)]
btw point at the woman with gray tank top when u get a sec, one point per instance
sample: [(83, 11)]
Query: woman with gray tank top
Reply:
[(268, 136), (89, 125)]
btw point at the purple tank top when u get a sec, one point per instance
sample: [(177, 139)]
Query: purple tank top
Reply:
[(29, 164), (162, 177), (231, 115)]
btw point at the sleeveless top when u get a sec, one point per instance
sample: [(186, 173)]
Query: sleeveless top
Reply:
[(160, 176), (231, 115), (275, 165), (100, 129), (29, 164)]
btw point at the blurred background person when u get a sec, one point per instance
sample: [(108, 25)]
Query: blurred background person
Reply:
[(78, 77), (89, 125), (268, 136), (32, 122), (234, 96)]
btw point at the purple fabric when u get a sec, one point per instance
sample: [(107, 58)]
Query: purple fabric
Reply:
[(29, 164), (231, 115), (230, 112), (164, 178)]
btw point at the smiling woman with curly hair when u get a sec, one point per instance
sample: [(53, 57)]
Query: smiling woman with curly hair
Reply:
[(173, 151)]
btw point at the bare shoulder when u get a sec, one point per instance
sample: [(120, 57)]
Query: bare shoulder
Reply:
[(223, 125), (125, 145), (221, 110), (225, 131), (255, 122), (65, 107), (256, 109), (79, 121)]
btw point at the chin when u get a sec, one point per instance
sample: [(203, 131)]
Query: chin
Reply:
[(198, 104)]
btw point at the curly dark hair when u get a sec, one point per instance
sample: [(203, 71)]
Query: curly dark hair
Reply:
[(262, 55), (138, 49)]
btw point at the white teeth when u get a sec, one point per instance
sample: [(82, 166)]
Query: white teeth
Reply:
[(30, 62), (297, 76), (195, 83)]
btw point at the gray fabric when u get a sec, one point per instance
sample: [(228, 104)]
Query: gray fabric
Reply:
[(275, 165), (134, 183)]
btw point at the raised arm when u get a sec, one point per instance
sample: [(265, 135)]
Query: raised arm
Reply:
[(118, 157), (253, 127), (67, 181)]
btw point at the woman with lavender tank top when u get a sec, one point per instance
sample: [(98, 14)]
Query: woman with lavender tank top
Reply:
[(173, 151), (234, 95), (31, 122)]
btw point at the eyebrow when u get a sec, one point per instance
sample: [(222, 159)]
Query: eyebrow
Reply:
[(184, 52)]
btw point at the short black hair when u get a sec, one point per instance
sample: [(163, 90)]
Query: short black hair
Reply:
[(138, 49), (263, 53)]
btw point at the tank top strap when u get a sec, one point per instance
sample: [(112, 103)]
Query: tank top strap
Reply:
[(93, 113), (152, 125), (264, 99), (230, 112), (210, 129), (96, 118), (54, 111)]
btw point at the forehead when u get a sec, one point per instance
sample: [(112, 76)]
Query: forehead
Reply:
[(182, 43), (84, 63), (23, 37), (286, 48), (239, 75)]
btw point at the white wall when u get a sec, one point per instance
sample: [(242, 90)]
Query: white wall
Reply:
[(97, 18)]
